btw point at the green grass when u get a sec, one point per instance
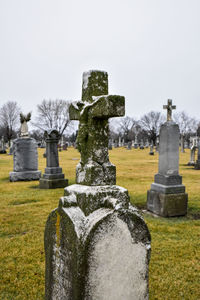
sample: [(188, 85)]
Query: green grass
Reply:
[(174, 266)]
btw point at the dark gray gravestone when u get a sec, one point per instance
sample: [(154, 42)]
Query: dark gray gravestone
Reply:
[(2, 146), (97, 246), (151, 152), (167, 195), (25, 158), (53, 177), (197, 164)]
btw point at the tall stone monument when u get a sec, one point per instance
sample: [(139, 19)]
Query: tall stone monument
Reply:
[(97, 245), (53, 177), (167, 195), (25, 156)]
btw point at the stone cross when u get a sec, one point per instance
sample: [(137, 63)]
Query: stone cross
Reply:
[(169, 108), (93, 113)]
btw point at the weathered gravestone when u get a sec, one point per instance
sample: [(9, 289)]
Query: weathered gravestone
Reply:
[(53, 177), (136, 142), (97, 245), (11, 148), (151, 152), (142, 145), (197, 163), (167, 195), (2, 146), (129, 145), (25, 156), (194, 147)]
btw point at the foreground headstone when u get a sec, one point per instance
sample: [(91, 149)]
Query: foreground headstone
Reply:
[(167, 195), (25, 155), (53, 177), (97, 245)]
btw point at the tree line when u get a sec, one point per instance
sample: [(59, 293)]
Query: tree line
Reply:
[(55, 114)]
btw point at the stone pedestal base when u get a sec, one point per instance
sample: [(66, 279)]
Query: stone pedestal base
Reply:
[(167, 205), (53, 183), (97, 246), (25, 176)]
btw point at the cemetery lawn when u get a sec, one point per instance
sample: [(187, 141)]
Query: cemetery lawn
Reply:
[(174, 266)]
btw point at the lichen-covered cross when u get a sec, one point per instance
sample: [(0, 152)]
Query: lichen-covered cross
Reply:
[(169, 108), (93, 113)]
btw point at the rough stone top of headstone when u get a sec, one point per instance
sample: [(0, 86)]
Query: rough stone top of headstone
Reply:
[(51, 134), (95, 83)]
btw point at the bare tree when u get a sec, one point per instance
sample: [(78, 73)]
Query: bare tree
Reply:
[(126, 127), (9, 119), (151, 123), (53, 114), (187, 126)]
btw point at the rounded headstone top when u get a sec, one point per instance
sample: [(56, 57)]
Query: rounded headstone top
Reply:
[(95, 83), (51, 134)]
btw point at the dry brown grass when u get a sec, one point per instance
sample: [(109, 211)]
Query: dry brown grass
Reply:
[(174, 267)]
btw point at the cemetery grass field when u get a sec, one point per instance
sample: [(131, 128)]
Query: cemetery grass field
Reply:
[(24, 208)]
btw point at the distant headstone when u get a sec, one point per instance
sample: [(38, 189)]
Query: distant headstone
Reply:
[(157, 144), (11, 148), (147, 144), (142, 145), (167, 195), (25, 156), (53, 177), (194, 147), (97, 246), (136, 142), (110, 145), (197, 164), (120, 142), (65, 146), (129, 146), (151, 152), (2, 146)]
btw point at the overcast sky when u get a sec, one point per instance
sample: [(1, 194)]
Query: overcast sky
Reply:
[(150, 49)]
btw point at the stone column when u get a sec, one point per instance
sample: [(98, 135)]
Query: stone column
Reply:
[(167, 195), (97, 245), (53, 176)]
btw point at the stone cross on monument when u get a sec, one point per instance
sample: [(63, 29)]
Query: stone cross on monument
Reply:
[(93, 113), (97, 246), (169, 108), (167, 196)]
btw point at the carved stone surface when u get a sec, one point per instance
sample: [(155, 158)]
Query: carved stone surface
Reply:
[(168, 185), (97, 246), (25, 159), (53, 176), (93, 113)]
